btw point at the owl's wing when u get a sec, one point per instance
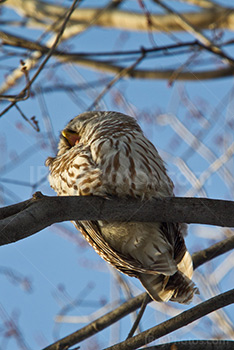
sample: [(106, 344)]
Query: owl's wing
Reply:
[(92, 233), (174, 235)]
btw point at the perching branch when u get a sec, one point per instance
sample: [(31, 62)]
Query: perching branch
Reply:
[(26, 218)]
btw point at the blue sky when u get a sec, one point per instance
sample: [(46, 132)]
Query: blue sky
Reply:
[(57, 263)]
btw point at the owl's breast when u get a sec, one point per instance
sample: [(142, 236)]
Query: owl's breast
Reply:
[(131, 167)]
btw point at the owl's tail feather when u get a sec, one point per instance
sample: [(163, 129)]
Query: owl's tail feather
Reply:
[(155, 286), (177, 287)]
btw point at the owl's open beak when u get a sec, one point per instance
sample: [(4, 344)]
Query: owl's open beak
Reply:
[(71, 136)]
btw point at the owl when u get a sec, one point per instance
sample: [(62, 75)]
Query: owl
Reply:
[(106, 154)]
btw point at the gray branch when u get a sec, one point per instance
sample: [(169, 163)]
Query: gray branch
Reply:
[(195, 345), (26, 218)]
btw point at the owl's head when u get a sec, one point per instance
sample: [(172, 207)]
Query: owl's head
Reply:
[(91, 125)]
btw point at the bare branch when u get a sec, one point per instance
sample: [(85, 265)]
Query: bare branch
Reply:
[(187, 26), (49, 54), (44, 13), (121, 74), (215, 250), (99, 324), (25, 92), (99, 65), (26, 218), (177, 322), (139, 316), (195, 345)]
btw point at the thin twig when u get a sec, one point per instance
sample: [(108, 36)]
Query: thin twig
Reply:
[(120, 75), (145, 302), (25, 93), (82, 59), (32, 123), (50, 53), (47, 121), (187, 26)]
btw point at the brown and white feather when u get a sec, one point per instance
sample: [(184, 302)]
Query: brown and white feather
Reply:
[(113, 157)]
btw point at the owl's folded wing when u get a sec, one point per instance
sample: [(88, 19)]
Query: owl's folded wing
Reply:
[(91, 232)]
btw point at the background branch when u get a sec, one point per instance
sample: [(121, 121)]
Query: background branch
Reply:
[(85, 60), (129, 306), (194, 345), (134, 21), (177, 322)]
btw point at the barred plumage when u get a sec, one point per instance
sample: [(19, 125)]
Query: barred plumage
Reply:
[(106, 153)]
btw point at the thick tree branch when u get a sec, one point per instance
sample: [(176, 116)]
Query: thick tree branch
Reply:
[(26, 218), (44, 13)]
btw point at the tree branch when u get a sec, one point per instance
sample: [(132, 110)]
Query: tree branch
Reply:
[(195, 345), (126, 308), (99, 324), (49, 54), (104, 66), (174, 323), (94, 208), (117, 314), (212, 252), (24, 219), (43, 13)]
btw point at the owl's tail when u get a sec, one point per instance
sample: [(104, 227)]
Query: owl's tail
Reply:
[(178, 287)]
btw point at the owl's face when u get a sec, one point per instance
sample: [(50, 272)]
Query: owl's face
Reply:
[(83, 128), (75, 131)]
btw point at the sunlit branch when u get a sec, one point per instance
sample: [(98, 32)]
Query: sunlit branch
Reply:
[(43, 13)]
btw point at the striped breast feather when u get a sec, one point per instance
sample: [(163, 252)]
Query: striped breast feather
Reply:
[(131, 166), (75, 173)]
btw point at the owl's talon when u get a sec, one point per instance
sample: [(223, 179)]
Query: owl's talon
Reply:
[(37, 195)]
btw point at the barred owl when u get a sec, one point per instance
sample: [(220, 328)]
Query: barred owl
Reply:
[(106, 154)]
